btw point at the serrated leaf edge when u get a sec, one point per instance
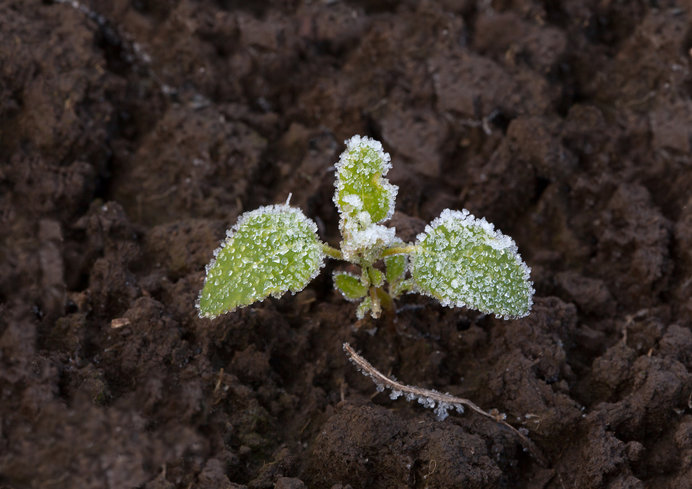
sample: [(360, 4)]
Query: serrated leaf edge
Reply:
[(266, 209), (501, 241)]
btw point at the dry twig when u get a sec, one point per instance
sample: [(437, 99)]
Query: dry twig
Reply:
[(433, 399)]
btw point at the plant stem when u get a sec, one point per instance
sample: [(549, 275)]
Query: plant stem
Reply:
[(399, 250), (332, 252), (386, 301), (376, 308)]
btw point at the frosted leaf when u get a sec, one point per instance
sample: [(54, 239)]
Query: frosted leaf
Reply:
[(464, 261), (395, 272), (364, 308), (349, 285), (376, 277), (270, 251), (362, 194), (395, 267), (368, 242)]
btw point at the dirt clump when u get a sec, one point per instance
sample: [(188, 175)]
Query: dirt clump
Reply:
[(133, 133)]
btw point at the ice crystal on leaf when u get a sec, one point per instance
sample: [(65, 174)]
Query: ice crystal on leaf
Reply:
[(270, 251), (464, 261), (367, 243)]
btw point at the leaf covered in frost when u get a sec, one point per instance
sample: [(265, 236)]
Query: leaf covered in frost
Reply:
[(368, 242), (270, 251), (362, 194), (349, 285), (364, 307), (464, 261), (376, 277)]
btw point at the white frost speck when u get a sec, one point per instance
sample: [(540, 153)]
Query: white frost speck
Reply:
[(372, 239), (354, 201)]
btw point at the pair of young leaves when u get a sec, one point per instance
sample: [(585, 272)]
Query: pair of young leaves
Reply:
[(458, 259)]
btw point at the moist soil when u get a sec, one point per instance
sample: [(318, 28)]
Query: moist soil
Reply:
[(134, 133)]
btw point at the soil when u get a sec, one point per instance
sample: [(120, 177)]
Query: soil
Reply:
[(133, 133)]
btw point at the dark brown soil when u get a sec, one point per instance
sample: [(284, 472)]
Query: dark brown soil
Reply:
[(134, 132)]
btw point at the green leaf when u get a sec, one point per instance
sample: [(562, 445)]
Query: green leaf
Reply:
[(395, 271), (395, 267), (464, 261), (375, 277), (398, 288), (362, 194), (270, 251), (349, 285), (364, 307)]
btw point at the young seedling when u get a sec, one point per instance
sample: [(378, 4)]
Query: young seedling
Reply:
[(458, 260)]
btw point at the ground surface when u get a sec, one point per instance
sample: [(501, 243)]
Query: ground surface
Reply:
[(132, 135)]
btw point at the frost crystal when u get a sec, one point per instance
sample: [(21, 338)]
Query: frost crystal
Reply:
[(464, 261), (441, 410), (368, 242), (270, 251)]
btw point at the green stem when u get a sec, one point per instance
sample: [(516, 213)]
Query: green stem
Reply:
[(399, 250), (332, 252), (375, 300), (386, 301)]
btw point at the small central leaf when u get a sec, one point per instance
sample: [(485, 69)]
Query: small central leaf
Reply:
[(464, 261), (270, 251), (362, 194), (395, 266), (349, 285), (395, 273)]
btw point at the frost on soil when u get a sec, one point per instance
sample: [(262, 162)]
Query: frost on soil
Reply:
[(464, 261), (270, 251)]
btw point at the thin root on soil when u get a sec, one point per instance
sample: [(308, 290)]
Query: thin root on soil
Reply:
[(434, 397)]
